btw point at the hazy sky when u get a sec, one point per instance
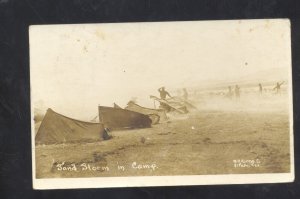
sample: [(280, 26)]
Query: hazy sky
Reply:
[(76, 67)]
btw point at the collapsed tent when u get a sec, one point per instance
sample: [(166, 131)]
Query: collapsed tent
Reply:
[(170, 105), (183, 102), (57, 128), (117, 118), (148, 111)]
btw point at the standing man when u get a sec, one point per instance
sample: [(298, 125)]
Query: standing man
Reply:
[(237, 92), (163, 93), (260, 88), (277, 87)]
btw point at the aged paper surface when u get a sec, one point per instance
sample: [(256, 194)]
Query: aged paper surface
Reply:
[(161, 104)]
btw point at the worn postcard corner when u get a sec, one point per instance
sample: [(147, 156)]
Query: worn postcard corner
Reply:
[(161, 104)]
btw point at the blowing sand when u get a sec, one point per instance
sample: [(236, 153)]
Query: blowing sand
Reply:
[(207, 141)]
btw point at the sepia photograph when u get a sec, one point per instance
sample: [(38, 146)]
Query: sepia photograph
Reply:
[(161, 103)]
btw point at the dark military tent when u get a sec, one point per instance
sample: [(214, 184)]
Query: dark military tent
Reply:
[(57, 128), (117, 118)]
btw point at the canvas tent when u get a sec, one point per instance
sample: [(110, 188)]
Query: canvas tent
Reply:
[(57, 128), (116, 118), (171, 105), (147, 111)]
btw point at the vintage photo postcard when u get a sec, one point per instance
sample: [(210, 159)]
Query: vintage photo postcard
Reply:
[(161, 104)]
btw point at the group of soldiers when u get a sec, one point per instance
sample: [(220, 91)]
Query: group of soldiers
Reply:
[(277, 88), (163, 93), (232, 91), (236, 91)]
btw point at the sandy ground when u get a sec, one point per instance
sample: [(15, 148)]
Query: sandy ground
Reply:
[(254, 135)]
